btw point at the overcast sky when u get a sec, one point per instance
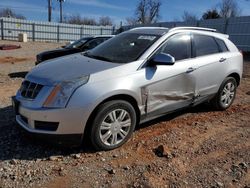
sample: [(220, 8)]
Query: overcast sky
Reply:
[(118, 10)]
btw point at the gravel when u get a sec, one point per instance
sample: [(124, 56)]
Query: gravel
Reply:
[(197, 147)]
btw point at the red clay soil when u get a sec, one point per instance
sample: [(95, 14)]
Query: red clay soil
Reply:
[(9, 47), (12, 59), (196, 147)]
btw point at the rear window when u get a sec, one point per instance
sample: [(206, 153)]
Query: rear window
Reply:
[(222, 45), (205, 45)]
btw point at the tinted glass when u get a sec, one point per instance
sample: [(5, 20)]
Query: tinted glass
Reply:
[(78, 43), (222, 45), (205, 45), (93, 43), (178, 46), (123, 48)]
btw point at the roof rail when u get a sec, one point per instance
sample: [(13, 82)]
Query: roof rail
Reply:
[(136, 28), (193, 28)]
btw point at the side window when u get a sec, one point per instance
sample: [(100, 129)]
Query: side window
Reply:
[(222, 45), (205, 45), (93, 43), (178, 46)]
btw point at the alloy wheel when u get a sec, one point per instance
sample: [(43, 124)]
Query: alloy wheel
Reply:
[(115, 127)]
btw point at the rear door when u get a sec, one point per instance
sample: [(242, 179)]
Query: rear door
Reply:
[(209, 64)]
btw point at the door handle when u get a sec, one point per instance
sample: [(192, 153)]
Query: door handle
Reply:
[(190, 69), (222, 59)]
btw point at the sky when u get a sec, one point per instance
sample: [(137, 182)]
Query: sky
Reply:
[(118, 10)]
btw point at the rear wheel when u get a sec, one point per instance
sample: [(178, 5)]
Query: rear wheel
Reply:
[(113, 125), (226, 94)]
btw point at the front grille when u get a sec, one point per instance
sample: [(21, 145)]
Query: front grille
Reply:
[(30, 90)]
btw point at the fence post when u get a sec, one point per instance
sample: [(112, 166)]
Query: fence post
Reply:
[(81, 32), (58, 33), (226, 25), (197, 23), (101, 30), (2, 33), (33, 32)]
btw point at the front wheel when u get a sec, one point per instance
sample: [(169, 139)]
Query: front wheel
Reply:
[(113, 125), (226, 94)]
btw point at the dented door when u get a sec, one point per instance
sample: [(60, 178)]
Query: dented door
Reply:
[(169, 88)]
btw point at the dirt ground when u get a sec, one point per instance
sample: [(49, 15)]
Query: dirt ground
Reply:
[(197, 147)]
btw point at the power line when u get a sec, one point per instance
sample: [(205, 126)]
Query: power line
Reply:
[(22, 8)]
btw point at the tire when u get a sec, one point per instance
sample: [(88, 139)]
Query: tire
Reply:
[(113, 125), (226, 94)]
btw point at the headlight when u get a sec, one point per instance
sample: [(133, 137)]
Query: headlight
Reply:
[(61, 93)]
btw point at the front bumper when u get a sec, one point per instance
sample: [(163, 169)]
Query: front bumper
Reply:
[(71, 123), (65, 140)]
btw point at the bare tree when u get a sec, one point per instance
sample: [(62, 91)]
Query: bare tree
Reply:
[(131, 21), (89, 21), (148, 11), (211, 14), (189, 17), (105, 20), (229, 8), (77, 19), (7, 12)]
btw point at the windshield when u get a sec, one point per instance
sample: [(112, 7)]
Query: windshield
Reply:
[(124, 48), (78, 43)]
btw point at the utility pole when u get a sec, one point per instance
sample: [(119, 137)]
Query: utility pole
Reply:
[(61, 10), (49, 10)]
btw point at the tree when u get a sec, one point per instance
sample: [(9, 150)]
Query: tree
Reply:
[(9, 13), (77, 19), (211, 14), (229, 8), (105, 20), (131, 21), (147, 11), (89, 21), (189, 17)]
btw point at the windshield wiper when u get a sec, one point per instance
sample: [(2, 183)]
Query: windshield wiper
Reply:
[(87, 54)]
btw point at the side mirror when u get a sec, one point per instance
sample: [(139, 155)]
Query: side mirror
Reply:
[(162, 59)]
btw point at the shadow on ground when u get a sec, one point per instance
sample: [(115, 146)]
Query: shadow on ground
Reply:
[(16, 144), (197, 109), (246, 56), (18, 74)]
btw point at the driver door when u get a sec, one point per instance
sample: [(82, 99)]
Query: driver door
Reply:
[(170, 87)]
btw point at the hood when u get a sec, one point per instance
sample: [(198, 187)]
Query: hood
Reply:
[(65, 68)]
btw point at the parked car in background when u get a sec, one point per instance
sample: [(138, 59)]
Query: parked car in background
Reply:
[(134, 77), (81, 45)]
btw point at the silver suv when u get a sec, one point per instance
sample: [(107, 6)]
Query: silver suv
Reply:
[(136, 76)]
